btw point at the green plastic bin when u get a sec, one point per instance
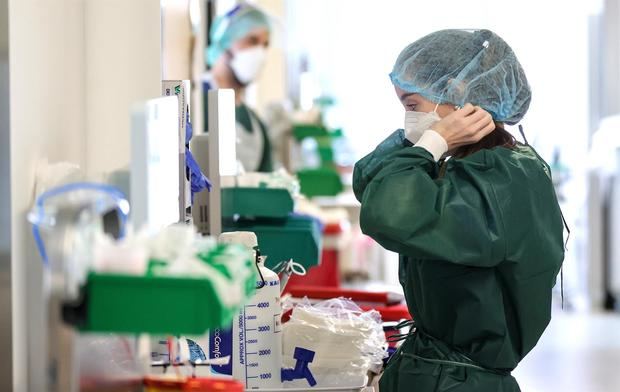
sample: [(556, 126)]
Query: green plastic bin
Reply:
[(155, 305), (256, 202), (327, 155), (297, 238), (324, 181)]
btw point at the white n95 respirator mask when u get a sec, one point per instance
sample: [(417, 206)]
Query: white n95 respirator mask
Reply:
[(418, 122), (246, 64)]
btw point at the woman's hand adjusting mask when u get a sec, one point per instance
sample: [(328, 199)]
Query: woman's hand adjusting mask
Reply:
[(464, 126)]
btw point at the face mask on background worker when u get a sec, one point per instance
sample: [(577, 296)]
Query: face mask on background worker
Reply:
[(242, 36), (246, 64)]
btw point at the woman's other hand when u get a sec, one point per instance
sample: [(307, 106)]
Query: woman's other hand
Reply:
[(464, 126)]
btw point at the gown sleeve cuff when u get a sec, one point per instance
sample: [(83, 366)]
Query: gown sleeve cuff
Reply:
[(434, 143), (412, 136)]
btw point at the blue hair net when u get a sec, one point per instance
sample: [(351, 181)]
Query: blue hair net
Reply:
[(235, 24), (461, 66)]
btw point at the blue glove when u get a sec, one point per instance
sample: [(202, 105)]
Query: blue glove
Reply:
[(198, 180), (189, 129)]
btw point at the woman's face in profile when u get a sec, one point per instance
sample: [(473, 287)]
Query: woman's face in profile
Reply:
[(416, 103)]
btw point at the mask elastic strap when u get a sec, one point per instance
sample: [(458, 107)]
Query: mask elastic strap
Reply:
[(436, 106), (562, 267), (523, 134)]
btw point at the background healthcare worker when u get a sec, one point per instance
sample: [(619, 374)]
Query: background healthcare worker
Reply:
[(238, 43), (480, 235)]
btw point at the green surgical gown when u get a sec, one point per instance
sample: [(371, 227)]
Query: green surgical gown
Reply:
[(480, 243), (243, 114)]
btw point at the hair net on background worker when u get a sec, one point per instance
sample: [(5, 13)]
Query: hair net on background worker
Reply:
[(465, 66), (233, 25)]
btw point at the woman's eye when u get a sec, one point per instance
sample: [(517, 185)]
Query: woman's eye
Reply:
[(411, 107)]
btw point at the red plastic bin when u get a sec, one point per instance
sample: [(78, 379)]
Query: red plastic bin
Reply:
[(327, 273)]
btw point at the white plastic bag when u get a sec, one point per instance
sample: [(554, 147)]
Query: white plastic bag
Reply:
[(279, 179), (347, 342)]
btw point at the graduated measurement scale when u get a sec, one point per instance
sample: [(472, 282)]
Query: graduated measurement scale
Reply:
[(257, 341)]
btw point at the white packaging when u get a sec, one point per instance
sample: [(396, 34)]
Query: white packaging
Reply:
[(154, 180), (279, 179), (347, 342), (127, 256), (181, 89)]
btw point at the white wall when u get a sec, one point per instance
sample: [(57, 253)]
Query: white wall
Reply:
[(47, 121), (182, 50), (176, 39), (271, 85), (77, 66), (610, 104), (123, 66)]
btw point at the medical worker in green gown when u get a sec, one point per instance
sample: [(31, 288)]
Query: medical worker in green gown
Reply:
[(238, 45), (471, 211)]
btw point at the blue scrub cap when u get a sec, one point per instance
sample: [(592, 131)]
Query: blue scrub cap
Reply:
[(233, 25), (461, 66)]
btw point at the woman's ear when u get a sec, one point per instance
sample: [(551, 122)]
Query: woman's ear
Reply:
[(445, 109)]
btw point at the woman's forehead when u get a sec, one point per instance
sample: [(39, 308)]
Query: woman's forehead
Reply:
[(259, 32), (402, 94)]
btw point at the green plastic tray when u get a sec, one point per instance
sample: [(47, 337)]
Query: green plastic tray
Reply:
[(256, 202), (324, 181), (302, 131), (155, 305), (297, 238)]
